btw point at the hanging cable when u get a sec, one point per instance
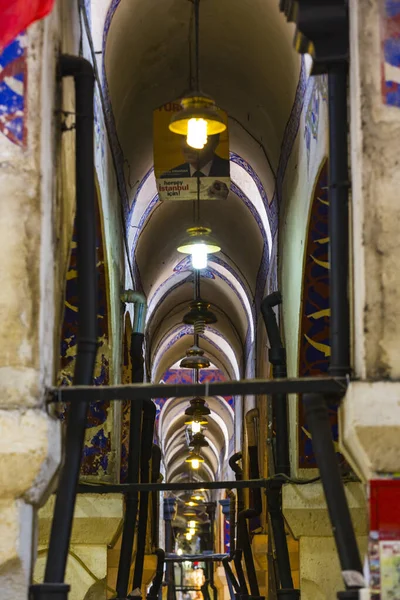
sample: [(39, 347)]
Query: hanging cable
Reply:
[(197, 43)]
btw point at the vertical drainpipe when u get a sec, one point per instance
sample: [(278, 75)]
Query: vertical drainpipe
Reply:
[(81, 70), (339, 221), (135, 426)]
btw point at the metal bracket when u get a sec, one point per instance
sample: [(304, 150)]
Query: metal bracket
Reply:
[(322, 30)]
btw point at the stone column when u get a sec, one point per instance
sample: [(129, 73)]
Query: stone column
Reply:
[(307, 516), (30, 443), (370, 415)]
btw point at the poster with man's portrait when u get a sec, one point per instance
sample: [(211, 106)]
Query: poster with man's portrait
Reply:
[(178, 167)]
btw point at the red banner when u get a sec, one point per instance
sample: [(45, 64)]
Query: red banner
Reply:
[(16, 15)]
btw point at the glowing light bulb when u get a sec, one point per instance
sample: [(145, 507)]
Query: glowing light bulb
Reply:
[(192, 531), (195, 463), (188, 536), (192, 524), (196, 427), (197, 133), (191, 503), (199, 256), (179, 552)]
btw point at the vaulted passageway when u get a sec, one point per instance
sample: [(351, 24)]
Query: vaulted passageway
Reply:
[(248, 65)]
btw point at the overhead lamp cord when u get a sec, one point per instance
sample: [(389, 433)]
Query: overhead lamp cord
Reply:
[(196, 25)]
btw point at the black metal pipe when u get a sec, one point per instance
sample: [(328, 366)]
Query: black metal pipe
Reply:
[(233, 463), (274, 503), (131, 502), (204, 591), (157, 581), (149, 416), (155, 496), (88, 488), (132, 497), (338, 221), (277, 357), (82, 72), (243, 538), (243, 542), (237, 561), (232, 521), (237, 555), (320, 429), (336, 386), (176, 558), (254, 467), (230, 577)]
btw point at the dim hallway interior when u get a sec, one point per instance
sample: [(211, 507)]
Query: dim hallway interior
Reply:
[(200, 226)]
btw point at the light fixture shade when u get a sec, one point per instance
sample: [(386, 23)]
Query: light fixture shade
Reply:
[(195, 359), (198, 441), (197, 497), (198, 235), (197, 408), (199, 310), (197, 106), (191, 503)]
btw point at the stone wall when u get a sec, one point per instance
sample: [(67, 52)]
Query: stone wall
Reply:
[(33, 253)]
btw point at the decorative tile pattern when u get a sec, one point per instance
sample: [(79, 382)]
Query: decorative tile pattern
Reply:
[(126, 378), (319, 94), (98, 439), (13, 88), (314, 348), (289, 136), (390, 28)]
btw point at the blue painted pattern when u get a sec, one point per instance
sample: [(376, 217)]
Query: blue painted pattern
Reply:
[(13, 80)]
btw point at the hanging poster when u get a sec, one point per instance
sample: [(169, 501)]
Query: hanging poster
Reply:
[(178, 167), (390, 569)]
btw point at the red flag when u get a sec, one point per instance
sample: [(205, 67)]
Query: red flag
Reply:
[(16, 15)]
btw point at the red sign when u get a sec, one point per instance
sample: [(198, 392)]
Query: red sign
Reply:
[(16, 15), (384, 506)]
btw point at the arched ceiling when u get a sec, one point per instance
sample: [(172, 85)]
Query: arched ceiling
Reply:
[(249, 67)]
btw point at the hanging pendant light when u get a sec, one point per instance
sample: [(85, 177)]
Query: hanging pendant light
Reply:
[(197, 120), (197, 412), (199, 117), (199, 315), (199, 244), (195, 359), (191, 503), (197, 497), (192, 524), (199, 310), (194, 459)]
